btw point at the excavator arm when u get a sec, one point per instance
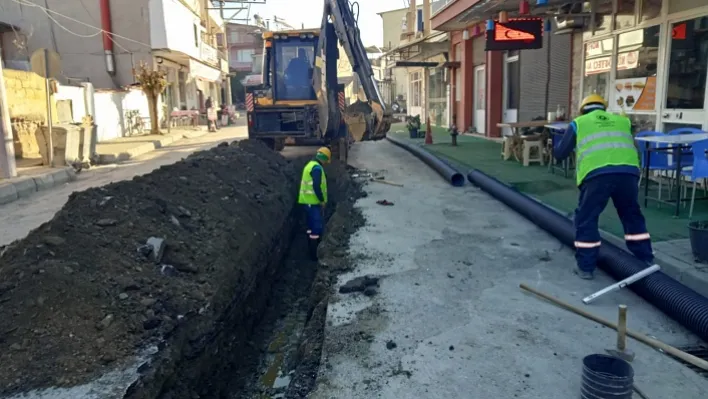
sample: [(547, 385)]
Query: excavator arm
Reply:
[(368, 120)]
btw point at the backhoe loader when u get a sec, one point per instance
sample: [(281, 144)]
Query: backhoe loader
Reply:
[(300, 97)]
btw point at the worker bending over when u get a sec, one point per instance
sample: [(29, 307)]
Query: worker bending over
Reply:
[(313, 195), (607, 166)]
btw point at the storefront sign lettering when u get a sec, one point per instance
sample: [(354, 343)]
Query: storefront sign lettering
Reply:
[(628, 60)]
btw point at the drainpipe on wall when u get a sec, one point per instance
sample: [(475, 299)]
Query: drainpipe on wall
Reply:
[(107, 39)]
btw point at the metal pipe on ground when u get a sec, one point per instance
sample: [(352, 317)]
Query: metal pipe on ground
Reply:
[(681, 303), (450, 174)]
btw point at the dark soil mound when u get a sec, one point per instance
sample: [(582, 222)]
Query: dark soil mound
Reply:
[(82, 294)]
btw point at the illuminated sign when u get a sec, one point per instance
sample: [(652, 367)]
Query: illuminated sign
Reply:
[(516, 34)]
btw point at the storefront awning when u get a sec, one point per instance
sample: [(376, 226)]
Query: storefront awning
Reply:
[(455, 17), (204, 72), (434, 44), (425, 64)]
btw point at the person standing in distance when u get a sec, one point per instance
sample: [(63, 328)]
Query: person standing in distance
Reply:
[(313, 197), (607, 166)]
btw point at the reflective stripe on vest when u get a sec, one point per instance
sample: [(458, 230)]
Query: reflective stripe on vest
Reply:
[(603, 139), (307, 194)]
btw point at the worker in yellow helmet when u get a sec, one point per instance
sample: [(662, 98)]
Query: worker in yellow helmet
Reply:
[(313, 196), (607, 167)]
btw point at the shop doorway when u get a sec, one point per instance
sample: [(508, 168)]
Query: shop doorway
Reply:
[(511, 96), (480, 87), (683, 104)]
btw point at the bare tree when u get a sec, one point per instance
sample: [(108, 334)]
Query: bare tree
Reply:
[(153, 83)]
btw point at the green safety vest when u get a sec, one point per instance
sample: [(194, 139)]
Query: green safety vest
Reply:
[(603, 139), (307, 192)]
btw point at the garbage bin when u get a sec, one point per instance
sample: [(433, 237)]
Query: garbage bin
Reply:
[(88, 142), (66, 141)]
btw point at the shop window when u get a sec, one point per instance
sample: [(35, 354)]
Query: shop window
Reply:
[(625, 17), (604, 18), (416, 86), (598, 63), (649, 9), (688, 64), (437, 95), (634, 88), (642, 122)]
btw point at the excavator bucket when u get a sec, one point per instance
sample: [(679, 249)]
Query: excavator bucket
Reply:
[(364, 117)]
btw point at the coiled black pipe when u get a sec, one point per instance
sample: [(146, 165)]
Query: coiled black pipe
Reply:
[(451, 175), (679, 302)]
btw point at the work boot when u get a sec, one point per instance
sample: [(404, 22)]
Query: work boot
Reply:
[(583, 274)]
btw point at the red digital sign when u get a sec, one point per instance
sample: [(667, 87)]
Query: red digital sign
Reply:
[(516, 34)]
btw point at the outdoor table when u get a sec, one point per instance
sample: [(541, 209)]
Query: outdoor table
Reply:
[(520, 125), (676, 144), (557, 129)]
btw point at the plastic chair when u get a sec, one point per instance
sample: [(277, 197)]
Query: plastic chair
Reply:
[(658, 161), (699, 170), (686, 158)]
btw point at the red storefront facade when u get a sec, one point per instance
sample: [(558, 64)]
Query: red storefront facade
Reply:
[(492, 87)]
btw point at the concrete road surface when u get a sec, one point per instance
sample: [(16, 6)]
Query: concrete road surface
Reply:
[(450, 321), (20, 217)]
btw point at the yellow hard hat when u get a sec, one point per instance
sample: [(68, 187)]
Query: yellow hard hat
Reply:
[(324, 154), (593, 99)]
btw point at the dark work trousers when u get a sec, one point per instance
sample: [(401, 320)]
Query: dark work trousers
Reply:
[(315, 227), (594, 195)]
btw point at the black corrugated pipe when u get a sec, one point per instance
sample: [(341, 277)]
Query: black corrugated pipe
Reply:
[(681, 303), (451, 175)]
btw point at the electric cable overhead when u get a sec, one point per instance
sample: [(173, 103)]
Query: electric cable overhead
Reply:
[(99, 31)]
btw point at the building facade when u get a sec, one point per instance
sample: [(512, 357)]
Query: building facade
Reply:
[(646, 57), (492, 87), (245, 48), (422, 53), (182, 37)]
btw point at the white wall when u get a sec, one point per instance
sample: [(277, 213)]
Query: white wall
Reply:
[(111, 107), (172, 27), (75, 94)]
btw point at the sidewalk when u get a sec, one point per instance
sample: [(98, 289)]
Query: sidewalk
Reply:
[(33, 177), (126, 148), (669, 234)]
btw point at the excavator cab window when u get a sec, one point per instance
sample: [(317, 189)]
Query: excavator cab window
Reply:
[(293, 67)]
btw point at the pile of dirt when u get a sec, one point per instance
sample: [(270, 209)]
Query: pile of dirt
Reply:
[(83, 293)]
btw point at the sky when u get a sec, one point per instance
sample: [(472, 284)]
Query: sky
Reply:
[(309, 12)]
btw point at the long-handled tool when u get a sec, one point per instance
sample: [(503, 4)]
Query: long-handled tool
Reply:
[(654, 343), (390, 183), (621, 284), (620, 350)]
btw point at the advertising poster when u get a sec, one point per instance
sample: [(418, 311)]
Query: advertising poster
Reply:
[(636, 94)]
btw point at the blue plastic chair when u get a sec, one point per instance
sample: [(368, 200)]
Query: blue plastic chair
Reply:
[(658, 161), (686, 158), (699, 170)]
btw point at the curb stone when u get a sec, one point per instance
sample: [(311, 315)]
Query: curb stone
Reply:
[(142, 149), (26, 186)]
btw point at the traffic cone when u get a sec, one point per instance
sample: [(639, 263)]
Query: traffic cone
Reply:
[(428, 133)]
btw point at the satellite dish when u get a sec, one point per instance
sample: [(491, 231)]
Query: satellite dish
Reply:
[(50, 69)]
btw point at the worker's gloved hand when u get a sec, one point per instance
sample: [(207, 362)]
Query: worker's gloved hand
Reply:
[(323, 206)]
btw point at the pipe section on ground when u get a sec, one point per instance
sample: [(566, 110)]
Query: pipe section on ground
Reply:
[(451, 175), (681, 303)]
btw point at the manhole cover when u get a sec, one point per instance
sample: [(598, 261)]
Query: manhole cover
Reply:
[(699, 351), (538, 187)]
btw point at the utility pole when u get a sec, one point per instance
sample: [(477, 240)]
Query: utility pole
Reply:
[(8, 168)]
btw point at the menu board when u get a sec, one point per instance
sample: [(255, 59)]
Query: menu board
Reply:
[(635, 94)]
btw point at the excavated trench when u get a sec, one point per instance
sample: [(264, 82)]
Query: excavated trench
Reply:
[(231, 306), (273, 349)]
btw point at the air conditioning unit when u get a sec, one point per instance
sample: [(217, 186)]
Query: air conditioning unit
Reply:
[(570, 17)]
